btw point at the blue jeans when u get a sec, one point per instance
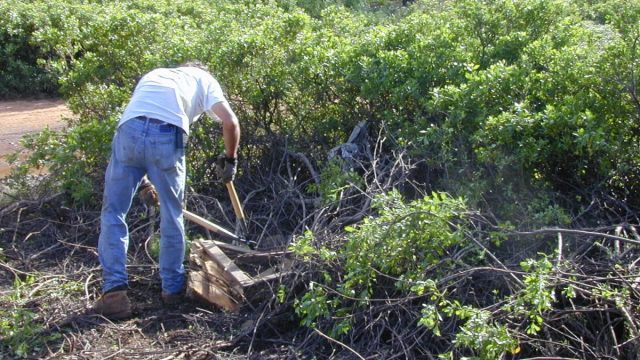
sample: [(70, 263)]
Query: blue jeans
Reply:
[(142, 146)]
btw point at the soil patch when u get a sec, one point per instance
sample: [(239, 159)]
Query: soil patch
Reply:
[(20, 117)]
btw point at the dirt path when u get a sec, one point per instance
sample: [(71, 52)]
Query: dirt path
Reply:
[(21, 117)]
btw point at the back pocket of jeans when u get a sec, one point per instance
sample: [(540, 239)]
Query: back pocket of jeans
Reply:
[(126, 147), (165, 155)]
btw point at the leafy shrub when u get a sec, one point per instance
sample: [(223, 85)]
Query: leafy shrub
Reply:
[(71, 157), (401, 243), (257, 45), (481, 89), (21, 334), (23, 56), (403, 252), (334, 181)]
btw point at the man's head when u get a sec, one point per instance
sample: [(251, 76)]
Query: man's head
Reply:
[(195, 64)]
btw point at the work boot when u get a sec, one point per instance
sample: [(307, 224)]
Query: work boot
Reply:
[(113, 305), (172, 299)]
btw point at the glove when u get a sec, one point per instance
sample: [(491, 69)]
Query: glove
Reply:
[(226, 168), (148, 194)]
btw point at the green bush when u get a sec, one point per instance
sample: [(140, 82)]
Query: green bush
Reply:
[(311, 78), (23, 55), (404, 252), (402, 242), (71, 158), (23, 335), (508, 102)]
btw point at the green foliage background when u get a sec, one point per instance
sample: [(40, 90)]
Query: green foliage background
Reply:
[(525, 108), (513, 97)]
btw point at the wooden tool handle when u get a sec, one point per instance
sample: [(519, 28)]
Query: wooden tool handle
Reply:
[(237, 207), (209, 225)]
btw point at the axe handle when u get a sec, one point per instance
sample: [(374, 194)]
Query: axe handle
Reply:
[(237, 207), (209, 225)]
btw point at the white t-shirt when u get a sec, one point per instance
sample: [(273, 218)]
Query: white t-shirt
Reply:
[(174, 95)]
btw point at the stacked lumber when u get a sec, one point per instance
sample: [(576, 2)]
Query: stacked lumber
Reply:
[(216, 279)]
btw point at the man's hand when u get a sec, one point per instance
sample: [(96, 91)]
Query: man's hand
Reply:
[(148, 194), (226, 168)]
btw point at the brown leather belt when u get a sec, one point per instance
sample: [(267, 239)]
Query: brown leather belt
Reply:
[(152, 120)]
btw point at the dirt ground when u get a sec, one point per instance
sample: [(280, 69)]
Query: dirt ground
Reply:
[(20, 117)]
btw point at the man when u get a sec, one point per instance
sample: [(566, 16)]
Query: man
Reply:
[(150, 141)]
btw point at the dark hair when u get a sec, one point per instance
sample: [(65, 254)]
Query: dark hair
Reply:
[(196, 64)]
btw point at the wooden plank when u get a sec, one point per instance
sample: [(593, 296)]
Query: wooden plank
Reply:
[(269, 277), (216, 274), (213, 271), (238, 249), (196, 253), (200, 287), (268, 272), (272, 273), (235, 274), (221, 282), (261, 257)]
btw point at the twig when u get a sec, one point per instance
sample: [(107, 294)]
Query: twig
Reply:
[(302, 157), (577, 232), (25, 203), (12, 270), (550, 358), (86, 286), (559, 247), (492, 256), (339, 343)]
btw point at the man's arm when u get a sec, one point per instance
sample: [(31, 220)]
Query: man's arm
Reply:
[(230, 128)]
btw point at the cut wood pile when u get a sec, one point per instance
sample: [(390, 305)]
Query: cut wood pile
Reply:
[(227, 276)]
